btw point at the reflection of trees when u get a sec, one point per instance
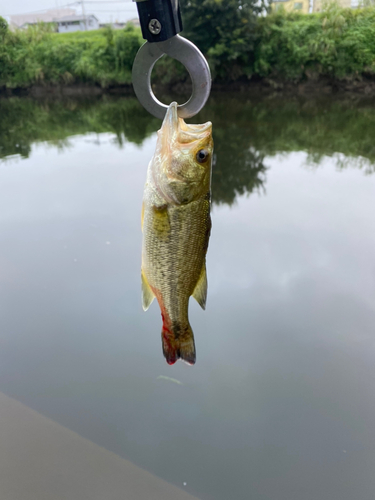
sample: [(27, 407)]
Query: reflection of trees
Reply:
[(246, 130), (238, 168), (341, 129), (126, 118), (25, 121), (11, 142)]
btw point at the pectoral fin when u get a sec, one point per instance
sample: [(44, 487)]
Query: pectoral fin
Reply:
[(147, 294), (200, 291)]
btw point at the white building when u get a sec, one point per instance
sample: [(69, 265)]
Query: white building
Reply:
[(49, 16), (68, 24)]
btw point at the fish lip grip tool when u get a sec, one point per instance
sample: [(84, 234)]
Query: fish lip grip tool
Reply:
[(160, 23)]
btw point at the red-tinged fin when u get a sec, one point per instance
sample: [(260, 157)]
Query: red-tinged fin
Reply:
[(178, 343)]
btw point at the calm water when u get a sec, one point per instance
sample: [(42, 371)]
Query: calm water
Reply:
[(281, 402)]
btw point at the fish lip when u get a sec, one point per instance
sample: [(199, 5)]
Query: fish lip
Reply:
[(173, 124), (200, 127), (171, 120), (190, 135)]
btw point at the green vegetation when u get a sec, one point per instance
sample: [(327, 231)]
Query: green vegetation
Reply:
[(224, 30), (240, 44), (246, 132), (336, 43), (38, 56)]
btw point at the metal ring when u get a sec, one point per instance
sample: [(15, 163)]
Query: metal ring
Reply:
[(190, 56)]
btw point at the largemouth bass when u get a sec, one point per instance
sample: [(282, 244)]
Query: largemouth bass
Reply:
[(176, 226)]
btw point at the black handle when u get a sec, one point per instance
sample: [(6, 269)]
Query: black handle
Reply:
[(159, 19)]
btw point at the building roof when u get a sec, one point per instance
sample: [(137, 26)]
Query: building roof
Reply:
[(48, 16), (73, 18)]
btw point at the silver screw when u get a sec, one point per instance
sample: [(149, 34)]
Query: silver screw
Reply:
[(154, 26)]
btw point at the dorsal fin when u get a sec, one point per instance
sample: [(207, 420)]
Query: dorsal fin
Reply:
[(200, 290)]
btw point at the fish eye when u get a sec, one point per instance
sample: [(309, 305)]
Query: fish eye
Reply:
[(202, 155)]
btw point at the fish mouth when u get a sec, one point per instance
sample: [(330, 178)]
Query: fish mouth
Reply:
[(198, 128), (174, 128), (170, 122)]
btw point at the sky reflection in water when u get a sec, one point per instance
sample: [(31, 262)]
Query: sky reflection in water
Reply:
[(280, 404)]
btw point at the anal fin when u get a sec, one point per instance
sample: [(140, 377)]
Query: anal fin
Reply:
[(147, 294), (200, 290)]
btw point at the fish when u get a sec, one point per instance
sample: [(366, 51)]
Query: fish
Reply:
[(176, 225)]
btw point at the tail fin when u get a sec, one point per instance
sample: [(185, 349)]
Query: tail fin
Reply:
[(178, 344)]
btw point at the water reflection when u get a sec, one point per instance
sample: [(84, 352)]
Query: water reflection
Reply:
[(25, 121), (246, 130), (281, 406), (269, 126)]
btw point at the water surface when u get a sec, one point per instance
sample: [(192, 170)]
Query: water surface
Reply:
[(281, 402)]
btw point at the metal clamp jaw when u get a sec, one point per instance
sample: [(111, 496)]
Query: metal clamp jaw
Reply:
[(160, 23), (159, 19)]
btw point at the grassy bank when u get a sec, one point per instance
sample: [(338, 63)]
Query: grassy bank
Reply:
[(38, 56), (337, 44)]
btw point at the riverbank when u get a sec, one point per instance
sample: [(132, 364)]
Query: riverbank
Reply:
[(332, 51), (263, 86)]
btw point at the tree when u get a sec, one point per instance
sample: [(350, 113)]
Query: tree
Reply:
[(3, 28), (224, 30)]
